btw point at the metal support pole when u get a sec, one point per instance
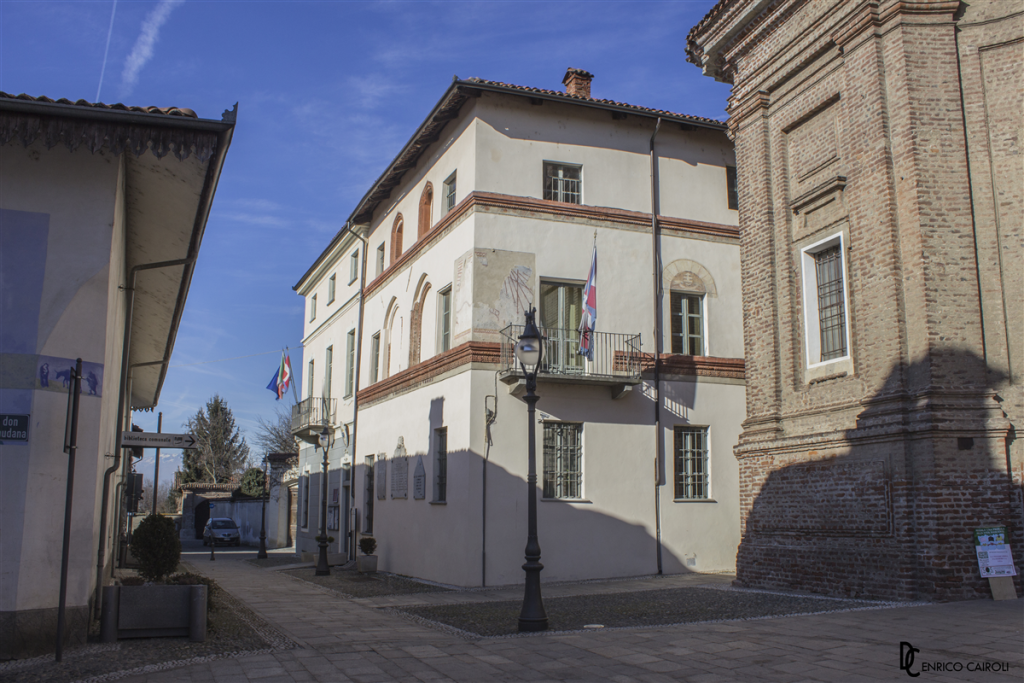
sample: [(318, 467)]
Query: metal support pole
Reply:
[(156, 468), (262, 554), (70, 447)]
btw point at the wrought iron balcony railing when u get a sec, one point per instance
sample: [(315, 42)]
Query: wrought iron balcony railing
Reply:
[(311, 415), (616, 356)]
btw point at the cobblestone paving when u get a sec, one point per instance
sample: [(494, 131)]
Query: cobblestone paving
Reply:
[(353, 584), (364, 640)]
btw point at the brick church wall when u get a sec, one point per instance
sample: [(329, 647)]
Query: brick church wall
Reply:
[(895, 125)]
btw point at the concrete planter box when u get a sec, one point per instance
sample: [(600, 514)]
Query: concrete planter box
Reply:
[(366, 564), (153, 611)]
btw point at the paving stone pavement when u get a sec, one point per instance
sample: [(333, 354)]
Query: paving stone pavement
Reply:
[(346, 640)]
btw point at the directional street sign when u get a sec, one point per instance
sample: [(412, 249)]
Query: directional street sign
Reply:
[(157, 440)]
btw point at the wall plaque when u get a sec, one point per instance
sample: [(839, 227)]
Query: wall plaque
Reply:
[(400, 472)]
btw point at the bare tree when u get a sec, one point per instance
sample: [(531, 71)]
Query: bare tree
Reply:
[(165, 502), (275, 435)]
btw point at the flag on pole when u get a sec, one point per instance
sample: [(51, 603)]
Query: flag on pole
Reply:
[(282, 377), (589, 320)]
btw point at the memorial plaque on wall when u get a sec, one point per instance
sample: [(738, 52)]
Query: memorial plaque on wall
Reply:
[(380, 472), (419, 480), (400, 472)]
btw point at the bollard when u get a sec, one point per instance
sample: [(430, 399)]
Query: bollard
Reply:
[(108, 615)]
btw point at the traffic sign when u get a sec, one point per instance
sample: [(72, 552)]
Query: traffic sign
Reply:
[(157, 440), (213, 505)]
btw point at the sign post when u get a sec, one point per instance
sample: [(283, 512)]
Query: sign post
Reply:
[(995, 561)]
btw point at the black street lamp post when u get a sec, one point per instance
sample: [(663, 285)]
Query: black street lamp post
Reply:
[(529, 351), (322, 567), (262, 554)]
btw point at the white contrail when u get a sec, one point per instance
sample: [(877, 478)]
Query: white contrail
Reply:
[(143, 49), (106, 51)]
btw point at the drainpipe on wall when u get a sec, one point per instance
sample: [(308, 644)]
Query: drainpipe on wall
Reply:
[(122, 422), (656, 267), (351, 545)]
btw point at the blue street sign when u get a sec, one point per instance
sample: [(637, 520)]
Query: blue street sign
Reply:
[(211, 506)]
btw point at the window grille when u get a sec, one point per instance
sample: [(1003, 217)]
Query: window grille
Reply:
[(691, 456), (828, 265), (563, 460), (305, 499), (350, 362), (687, 324), (374, 358), (368, 494), (441, 464), (449, 193), (331, 284), (444, 307), (563, 183)]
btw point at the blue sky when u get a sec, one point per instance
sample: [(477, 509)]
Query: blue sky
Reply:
[(328, 93)]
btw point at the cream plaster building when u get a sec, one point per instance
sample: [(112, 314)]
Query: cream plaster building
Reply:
[(495, 205), (102, 212)]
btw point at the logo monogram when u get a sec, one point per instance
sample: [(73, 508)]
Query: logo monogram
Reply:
[(907, 658)]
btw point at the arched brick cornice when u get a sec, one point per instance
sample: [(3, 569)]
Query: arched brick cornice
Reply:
[(416, 321), (426, 209), (396, 238), (679, 276)]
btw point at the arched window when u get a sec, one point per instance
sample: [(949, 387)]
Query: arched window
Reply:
[(396, 238), (426, 206), (416, 322)]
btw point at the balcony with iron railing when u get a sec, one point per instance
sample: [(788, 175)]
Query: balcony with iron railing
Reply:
[(616, 359), (311, 415)]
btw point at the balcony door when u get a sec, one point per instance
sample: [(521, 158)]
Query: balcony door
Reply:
[(561, 307)]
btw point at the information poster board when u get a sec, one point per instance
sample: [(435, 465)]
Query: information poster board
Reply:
[(994, 556)]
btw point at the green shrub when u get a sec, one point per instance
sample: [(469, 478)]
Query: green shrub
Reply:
[(131, 581), (252, 482), (156, 546), (193, 579), (367, 544)]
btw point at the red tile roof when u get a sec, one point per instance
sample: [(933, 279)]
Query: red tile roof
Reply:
[(592, 100), (166, 111)]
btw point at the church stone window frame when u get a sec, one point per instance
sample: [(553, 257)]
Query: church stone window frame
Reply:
[(812, 312)]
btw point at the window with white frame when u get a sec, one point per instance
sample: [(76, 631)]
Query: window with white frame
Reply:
[(444, 320), (328, 371), (309, 380), (312, 308), (441, 465), (687, 323), (380, 259), (331, 287), (825, 301), (374, 358), (449, 193), (563, 460), (305, 500), (368, 494), (691, 463), (563, 182), (353, 266), (350, 362)]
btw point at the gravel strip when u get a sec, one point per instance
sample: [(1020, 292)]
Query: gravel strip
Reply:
[(636, 609), (234, 630), (351, 583)]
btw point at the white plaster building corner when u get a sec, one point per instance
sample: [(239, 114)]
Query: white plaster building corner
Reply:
[(496, 205), (115, 200)]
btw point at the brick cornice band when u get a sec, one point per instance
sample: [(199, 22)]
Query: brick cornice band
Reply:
[(463, 354)]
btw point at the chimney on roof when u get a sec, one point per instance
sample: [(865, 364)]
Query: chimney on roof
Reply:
[(577, 82)]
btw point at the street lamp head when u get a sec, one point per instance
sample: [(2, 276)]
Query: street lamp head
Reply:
[(531, 345), (325, 438)]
